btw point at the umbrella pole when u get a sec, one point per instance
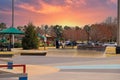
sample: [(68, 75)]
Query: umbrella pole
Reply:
[(9, 46), (13, 40)]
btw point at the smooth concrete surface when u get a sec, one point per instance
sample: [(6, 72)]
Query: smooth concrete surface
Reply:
[(64, 60)]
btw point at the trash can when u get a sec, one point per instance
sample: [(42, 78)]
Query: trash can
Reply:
[(118, 50), (23, 78), (10, 65), (57, 44), (8, 48)]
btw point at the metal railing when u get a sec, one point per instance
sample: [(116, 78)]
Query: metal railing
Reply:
[(20, 65)]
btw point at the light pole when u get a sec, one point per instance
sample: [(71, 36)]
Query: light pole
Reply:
[(12, 22), (118, 27), (12, 13), (118, 32)]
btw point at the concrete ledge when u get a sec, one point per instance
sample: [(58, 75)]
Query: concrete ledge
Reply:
[(31, 52), (34, 53), (97, 48), (110, 50), (6, 54)]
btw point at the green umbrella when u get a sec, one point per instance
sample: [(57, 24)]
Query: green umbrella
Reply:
[(11, 30), (41, 36)]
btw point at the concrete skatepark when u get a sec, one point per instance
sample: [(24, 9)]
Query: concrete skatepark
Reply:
[(57, 65)]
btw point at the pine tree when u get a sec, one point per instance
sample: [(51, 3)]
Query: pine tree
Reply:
[(30, 41)]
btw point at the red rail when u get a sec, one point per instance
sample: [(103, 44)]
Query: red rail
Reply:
[(21, 65)]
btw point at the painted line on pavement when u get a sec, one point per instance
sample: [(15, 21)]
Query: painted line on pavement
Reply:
[(112, 66)]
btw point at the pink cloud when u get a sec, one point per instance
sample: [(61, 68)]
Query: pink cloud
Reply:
[(44, 9), (83, 2), (113, 1)]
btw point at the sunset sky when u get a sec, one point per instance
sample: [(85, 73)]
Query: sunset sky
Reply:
[(61, 12)]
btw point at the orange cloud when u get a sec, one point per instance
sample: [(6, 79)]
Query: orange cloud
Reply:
[(72, 12), (44, 9)]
